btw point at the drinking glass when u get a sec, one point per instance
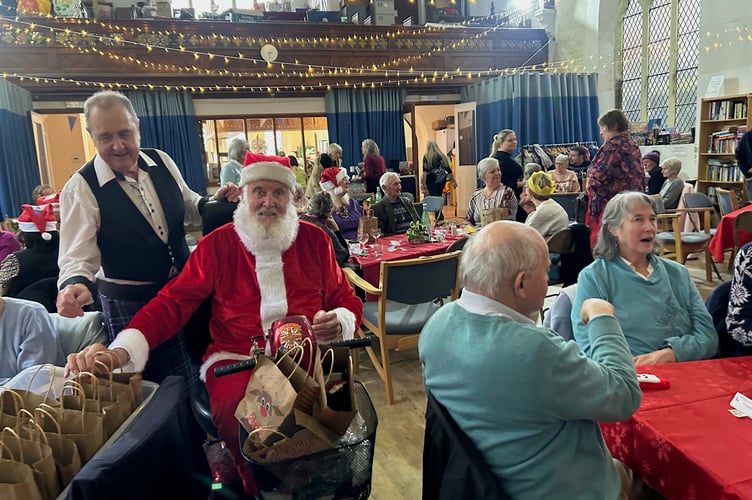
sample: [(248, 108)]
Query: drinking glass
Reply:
[(376, 233), (363, 239)]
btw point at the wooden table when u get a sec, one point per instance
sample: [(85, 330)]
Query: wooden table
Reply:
[(682, 441), (723, 239)]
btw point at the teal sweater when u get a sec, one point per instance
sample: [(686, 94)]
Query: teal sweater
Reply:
[(664, 310), (529, 400)]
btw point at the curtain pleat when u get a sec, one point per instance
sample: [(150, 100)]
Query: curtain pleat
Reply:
[(168, 122), (542, 108), (354, 115), (17, 151)]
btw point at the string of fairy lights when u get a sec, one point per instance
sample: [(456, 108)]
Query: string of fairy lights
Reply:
[(389, 73)]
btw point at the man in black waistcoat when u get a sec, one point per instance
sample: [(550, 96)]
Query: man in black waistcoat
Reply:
[(121, 227)]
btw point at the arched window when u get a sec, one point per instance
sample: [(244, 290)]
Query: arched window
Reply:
[(659, 47)]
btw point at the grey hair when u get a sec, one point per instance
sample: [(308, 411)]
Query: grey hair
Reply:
[(672, 164), (562, 157), (485, 165), (370, 146), (237, 148), (297, 191), (531, 168), (107, 99), (320, 205), (333, 148), (621, 205), (385, 178), (487, 268)]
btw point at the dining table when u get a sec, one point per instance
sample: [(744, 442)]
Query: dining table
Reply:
[(396, 248), (683, 441), (723, 239)]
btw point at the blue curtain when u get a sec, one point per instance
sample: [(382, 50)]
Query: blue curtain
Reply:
[(542, 108), (17, 152), (354, 115), (168, 122)]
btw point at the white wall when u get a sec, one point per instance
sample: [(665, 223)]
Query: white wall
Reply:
[(247, 106)]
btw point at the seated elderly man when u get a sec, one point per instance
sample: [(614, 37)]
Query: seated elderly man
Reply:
[(27, 337), (393, 212), (264, 266), (660, 310), (528, 399)]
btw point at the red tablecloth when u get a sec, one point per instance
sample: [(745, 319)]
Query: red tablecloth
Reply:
[(371, 264), (723, 239), (682, 441)]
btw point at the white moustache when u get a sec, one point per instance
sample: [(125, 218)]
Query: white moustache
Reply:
[(266, 211)]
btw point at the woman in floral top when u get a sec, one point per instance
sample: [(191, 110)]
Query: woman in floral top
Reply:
[(616, 167), (493, 195)]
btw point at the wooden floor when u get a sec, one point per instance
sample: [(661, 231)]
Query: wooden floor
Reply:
[(399, 438)]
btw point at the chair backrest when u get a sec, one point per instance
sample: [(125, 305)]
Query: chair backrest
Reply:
[(408, 196), (418, 209), (657, 202), (567, 201), (458, 244), (726, 200), (452, 465), (573, 245), (697, 200), (434, 203), (559, 316), (416, 281), (742, 221), (216, 213)]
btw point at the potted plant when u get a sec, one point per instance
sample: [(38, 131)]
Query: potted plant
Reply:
[(417, 233)]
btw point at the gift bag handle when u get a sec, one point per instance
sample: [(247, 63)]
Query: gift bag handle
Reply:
[(271, 430), (30, 420), (298, 360), (107, 369), (18, 438), (75, 387), (46, 414), (51, 368), (94, 383), (5, 447), (18, 400)]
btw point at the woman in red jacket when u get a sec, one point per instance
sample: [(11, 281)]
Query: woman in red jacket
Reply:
[(374, 165)]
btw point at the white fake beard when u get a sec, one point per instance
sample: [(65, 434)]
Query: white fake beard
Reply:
[(258, 238)]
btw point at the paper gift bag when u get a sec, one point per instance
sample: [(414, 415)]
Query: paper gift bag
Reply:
[(118, 386), (16, 478), (37, 456), (10, 404), (44, 377), (64, 450), (303, 442), (340, 406), (366, 225), (489, 215), (115, 406), (84, 429), (268, 399)]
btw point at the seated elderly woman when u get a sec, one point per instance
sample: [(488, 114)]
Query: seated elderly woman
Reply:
[(566, 180), (673, 187), (657, 304), (320, 213), (548, 217), (346, 211), (493, 195)]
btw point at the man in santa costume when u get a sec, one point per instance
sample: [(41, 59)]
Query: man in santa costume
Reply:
[(263, 266)]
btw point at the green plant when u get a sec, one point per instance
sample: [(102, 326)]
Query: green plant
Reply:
[(417, 232)]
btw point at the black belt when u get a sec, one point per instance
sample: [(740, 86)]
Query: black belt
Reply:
[(128, 292)]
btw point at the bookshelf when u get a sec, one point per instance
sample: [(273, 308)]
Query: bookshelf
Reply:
[(723, 121)]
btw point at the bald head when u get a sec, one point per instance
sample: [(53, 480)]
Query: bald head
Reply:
[(494, 258)]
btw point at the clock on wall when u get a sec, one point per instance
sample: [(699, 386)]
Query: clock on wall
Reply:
[(269, 53)]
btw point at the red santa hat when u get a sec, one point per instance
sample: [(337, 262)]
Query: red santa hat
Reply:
[(331, 177), (266, 167), (36, 219), (51, 199)]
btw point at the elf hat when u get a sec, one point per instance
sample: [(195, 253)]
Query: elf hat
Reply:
[(266, 167), (331, 177), (36, 219)]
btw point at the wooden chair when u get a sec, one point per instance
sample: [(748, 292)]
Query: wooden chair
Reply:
[(742, 222), (677, 245), (727, 201), (410, 291)]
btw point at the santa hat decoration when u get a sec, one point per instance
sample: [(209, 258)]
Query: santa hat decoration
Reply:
[(51, 199), (331, 177), (35, 219), (269, 168)]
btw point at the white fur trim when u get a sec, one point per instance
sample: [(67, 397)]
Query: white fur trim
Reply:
[(347, 320), (135, 344), (269, 171), (271, 279), (216, 358), (30, 227), (327, 186)]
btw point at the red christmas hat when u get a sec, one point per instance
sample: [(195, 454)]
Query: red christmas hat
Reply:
[(36, 219), (267, 167), (331, 177), (53, 199)]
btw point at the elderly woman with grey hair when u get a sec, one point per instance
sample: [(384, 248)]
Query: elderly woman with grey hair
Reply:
[(231, 170), (565, 179), (673, 187), (660, 310), (493, 195), (319, 213)]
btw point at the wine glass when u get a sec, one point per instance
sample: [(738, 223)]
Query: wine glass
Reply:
[(376, 233), (363, 238)]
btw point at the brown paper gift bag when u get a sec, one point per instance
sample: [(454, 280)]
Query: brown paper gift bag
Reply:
[(16, 478), (114, 412), (366, 224), (118, 386), (10, 404), (32, 399), (84, 429), (37, 456), (64, 450), (489, 215)]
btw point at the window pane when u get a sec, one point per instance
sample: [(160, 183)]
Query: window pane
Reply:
[(289, 136), (261, 135), (209, 133), (315, 137), (631, 97)]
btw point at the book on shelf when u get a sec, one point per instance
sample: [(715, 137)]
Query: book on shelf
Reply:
[(727, 110), (725, 141), (723, 171)]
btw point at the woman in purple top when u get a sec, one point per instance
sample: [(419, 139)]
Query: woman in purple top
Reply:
[(8, 244), (346, 212)]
